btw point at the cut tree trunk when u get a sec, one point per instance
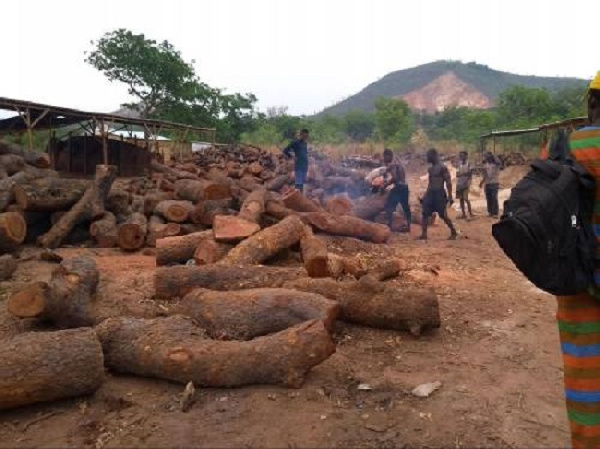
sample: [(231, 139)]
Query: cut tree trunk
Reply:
[(250, 183), (349, 226), (278, 210), (314, 254), (46, 366), (178, 281), (276, 184), (8, 265), (339, 205), (49, 195), (152, 199), (158, 229), (118, 202), (376, 304), (338, 267), (191, 228), (228, 228), (369, 207), (176, 211), (173, 349), (253, 206), (195, 191), (11, 163), (266, 243), (247, 314), (104, 231), (387, 269), (35, 158), (210, 251), (171, 172), (13, 230), (67, 301), (132, 232), (295, 200), (175, 250), (30, 218), (88, 208)]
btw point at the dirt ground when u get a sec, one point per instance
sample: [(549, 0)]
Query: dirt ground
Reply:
[(496, 355)]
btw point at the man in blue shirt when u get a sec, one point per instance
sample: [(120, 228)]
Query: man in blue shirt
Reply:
[(300, 149)]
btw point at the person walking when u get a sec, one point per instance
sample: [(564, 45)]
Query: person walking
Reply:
[(491, 180), (464, 177), (299, 147), (399, 193)]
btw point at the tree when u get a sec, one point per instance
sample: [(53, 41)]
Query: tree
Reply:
[(394, 121), (359, 125), (520, 106)]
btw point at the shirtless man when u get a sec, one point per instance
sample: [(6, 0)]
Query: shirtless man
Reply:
[(436, 198), (399, 192)]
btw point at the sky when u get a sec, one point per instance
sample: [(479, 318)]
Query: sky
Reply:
[(303, 54)]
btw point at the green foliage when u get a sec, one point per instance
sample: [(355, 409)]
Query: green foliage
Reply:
[(394, 122), (359, 125)]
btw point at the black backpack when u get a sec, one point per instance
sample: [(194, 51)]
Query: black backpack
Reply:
[(546, 227)]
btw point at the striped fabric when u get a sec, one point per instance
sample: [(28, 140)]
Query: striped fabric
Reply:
[(579, 322)]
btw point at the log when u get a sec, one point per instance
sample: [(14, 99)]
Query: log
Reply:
[(387, 269), (195, 191), (369, 207), (11, 163), (175, 211), (67, 300), (276, 184), (104, 231), (339, 205), (338, 267), (204, 213), (152, 199), (210, 251), (171, 172), (48, 195), (88, 208), (118, 202), (278, 210), (8, 265), (179, 280), (314, 254), (30, 218), (132, 232), (156, 230), (253, 206), (295, 200), (46, 366), (174, 250), (247, 314), (249, 183), (35, 158), (255, 169), (27, 175), (13, 230), (79, 235), (349, 226), (190, 228), (227, 228), (376, 304), (266, 243), (173, 349)]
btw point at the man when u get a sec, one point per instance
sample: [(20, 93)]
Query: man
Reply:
[(579, 316), (464, 176), (299, 147), (436, 198), (396, 178), (491, 179)]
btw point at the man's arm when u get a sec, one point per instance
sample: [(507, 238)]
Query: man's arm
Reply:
[(291, 147), (448, 181), (398, 175), (483, 177)]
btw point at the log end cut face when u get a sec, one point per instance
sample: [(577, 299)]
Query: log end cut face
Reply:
[(228, 228), (13, 228)]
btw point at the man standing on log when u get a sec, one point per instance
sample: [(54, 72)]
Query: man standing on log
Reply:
[(437, 199), (300, 149), (491, 179), (396, 177), (464, 176)]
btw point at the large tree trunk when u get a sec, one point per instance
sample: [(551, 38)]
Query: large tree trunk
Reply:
[(210, 251), (118, 202), (277, 210), (35, 158), (152, 199), (253, 206), (228, 228), (30, 218), (158, 229), (177, 281), (45, 366), (49, 194), (176, 211), (173, 349), (88, 208), (314, 254), (132, 232), (266, 243), (247, 314), (195, 191), (276, 184), (11, 164), (8, 265), (172, 173), (13, 230), (369, 207), (204, 213), (295, 200), (27, 175), (349, 226), (174, 250), (104, 231), (68, 300), (376, 304), (339, 205)]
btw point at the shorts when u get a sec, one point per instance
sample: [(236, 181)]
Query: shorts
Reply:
[(462, 193), (398, 195), (300, 174), (434, 201)]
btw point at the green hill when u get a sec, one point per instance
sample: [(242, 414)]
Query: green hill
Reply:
[(430, 86)]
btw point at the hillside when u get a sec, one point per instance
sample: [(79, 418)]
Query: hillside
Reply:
[(434, 86)]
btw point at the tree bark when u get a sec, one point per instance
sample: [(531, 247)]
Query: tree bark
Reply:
[(195, 191), (152, 199), (67, 301), (339, 205), (8, 265), (349, 226), (250, 183), (314, 254), (88, 208), (49, 194), (104, 231), (210, 251), (204, 213), (171, 348), (178, 281), (228, 228), (247, 314), (276, 184), (118, 202), (266, 243), (30, 218), (35, 158), (369, 207), (13, 230), (11, 163), (132, 232), (376, 304), (277, 210), (253, 206), (297, 201), (174, 250), (46, 366), (176, 211)]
